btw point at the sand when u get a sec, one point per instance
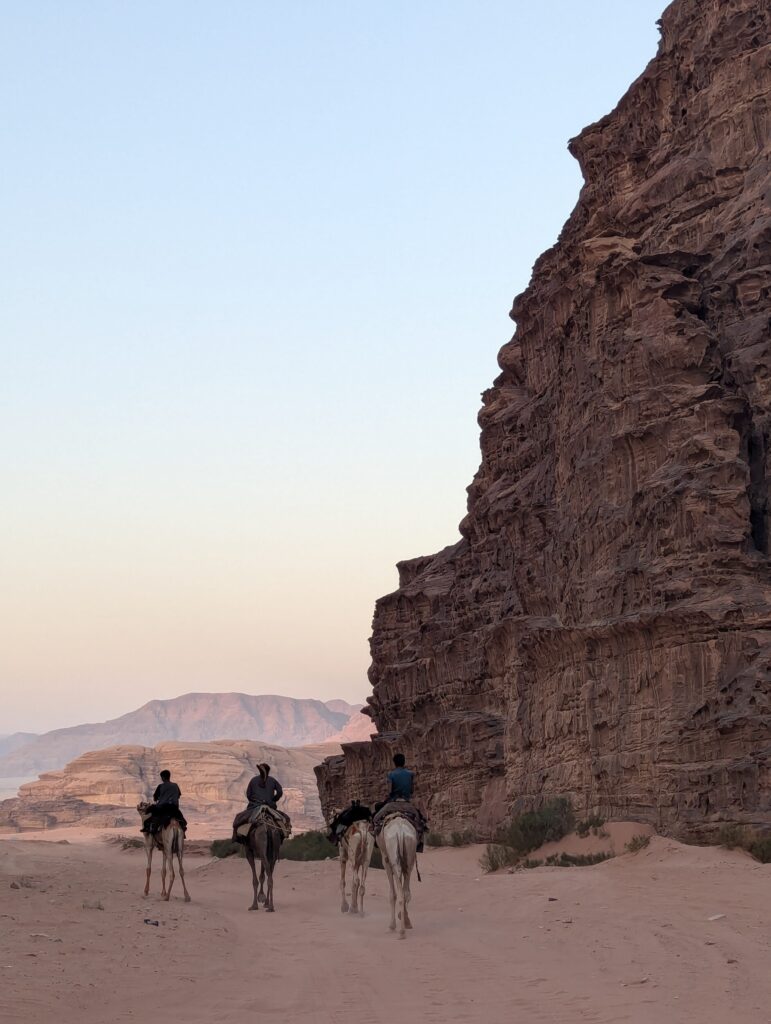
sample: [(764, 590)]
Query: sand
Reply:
[(629, 940)]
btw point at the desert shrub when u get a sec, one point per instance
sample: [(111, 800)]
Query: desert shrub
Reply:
[(637, 843), (131, 843), (576, 860), (434, 839), (534, 828), (529, 862), (591, 824), (497, 856), (308, 846), (731, 836), (461, 838), (760, 848), (227, 848)]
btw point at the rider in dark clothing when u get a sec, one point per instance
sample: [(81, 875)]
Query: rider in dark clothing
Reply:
[(262, 790), (165, 806), (402, 782)]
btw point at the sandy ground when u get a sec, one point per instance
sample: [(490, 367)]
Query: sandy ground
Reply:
[(629, 940)]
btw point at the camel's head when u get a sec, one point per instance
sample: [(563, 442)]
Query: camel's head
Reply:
[(143, 806)]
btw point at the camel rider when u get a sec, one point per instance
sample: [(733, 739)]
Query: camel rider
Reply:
[(165, 805), (402, 782), (342, 821), (263, 790)]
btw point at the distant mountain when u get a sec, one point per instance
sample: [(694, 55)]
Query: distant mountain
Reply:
[(17, 739), (102, 787), (196, 717)]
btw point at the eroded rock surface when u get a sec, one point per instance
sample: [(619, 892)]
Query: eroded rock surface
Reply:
[(603, 627), (103, 787)]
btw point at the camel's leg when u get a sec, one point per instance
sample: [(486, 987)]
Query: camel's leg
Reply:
[(250, 857), (182, 877), (343, 862), (269, 899), (261, 896), (149, 852), (407, 894), (163, 874), (399, 898), (366, 850), (168, 853), (392, 892)]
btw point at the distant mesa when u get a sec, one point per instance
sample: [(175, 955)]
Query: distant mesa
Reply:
[(194, 717), (101, 788)]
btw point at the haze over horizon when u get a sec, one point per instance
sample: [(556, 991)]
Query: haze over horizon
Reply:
[(257, 269)]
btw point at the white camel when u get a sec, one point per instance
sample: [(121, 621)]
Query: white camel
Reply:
[(171, 841), (356, 846), (398, 843)]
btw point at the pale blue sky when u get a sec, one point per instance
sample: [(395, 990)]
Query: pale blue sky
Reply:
[(258, 262)]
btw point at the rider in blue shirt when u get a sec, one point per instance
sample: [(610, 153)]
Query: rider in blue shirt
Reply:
[(402, 780)]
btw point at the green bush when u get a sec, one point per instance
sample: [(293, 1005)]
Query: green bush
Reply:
[(461, 838), (227, 848), (308, 846), (497, 856), (591, 824), (731, 836), (760, 848), (637, 843), (576, 860), (434, 839), (534, 828)]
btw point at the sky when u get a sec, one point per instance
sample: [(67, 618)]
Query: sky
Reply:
[(257, 266)]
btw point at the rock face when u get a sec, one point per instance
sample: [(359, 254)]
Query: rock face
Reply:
[(285, 721), (102, 788), (603, 628)]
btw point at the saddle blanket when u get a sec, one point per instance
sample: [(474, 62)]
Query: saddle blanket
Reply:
[(271, 816), (400, 809)]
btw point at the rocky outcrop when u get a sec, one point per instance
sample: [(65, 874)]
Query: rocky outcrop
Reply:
[(103, 787), (602, 629), (285, 721)]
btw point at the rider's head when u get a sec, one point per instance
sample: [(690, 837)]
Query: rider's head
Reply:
[(267, 769), (165, 774), (399, 760)]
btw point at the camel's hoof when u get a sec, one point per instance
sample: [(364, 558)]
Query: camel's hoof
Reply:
[(392, 927), (270, 910), (260, 899), (344, 910), (402, 935), (187, 899), (253, 907), (408, 924)]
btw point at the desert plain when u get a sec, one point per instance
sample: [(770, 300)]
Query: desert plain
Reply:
[(673, 933)]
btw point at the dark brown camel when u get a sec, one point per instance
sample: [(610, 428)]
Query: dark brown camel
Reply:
[(264, 844)]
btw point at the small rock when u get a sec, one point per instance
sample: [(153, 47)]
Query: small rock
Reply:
[(42, 935), (150, 921), (553, 899), (716, 917), (15, 885), (92, 905), (732, 961)]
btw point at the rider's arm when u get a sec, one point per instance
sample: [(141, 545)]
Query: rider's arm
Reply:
[(277, 791)]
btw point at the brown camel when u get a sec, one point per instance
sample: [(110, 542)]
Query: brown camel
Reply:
[(356, 847), (171, 841), (264, 843)]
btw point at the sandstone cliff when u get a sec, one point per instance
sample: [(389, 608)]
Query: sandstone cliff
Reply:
[(285, 721), (603, 627), (103, 787)]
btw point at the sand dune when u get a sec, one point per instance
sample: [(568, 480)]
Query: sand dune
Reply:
[(630, 940)]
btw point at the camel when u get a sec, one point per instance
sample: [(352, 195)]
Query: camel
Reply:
[(264, 842), (398, 844), (356, 846), (171, 840)]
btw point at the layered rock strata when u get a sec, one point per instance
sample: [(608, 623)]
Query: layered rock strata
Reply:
[(103, 787), (603, 627)]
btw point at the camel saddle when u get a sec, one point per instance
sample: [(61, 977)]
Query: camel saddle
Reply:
[(248, 820), (400, 809)]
